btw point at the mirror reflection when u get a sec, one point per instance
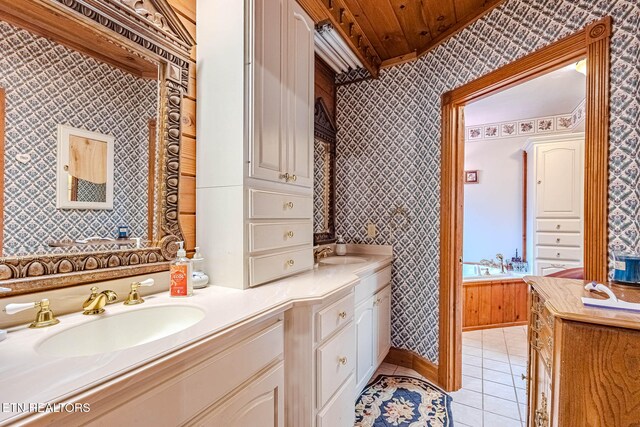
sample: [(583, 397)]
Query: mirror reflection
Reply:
[(321, 186), (79, 149)]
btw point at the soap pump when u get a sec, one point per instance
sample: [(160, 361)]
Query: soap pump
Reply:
[(181, 274), (200, 279), (341, 246)]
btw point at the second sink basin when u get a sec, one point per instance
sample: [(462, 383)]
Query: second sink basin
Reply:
[(343, 260), (120, 331)]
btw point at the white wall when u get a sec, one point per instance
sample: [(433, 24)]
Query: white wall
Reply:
[(493, 208)]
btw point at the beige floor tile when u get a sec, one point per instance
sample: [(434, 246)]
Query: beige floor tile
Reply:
[(463, 414), (523, 413), (497, 377), (476, 335), (495, 355), (521, 352), (495, 365), (468, 397), (471, 342), (472, 371), (518, 360), (522, 395), (506, 408), (518, 370), (471, 360), (494, 420), (472, 383), (471, 351), (503, 391)]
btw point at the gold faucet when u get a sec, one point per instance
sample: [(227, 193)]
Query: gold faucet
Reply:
[(44, 317), (96, 301), (322, 253), (134, 296)]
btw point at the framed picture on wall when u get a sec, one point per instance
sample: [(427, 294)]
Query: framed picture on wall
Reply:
[(471, 177)]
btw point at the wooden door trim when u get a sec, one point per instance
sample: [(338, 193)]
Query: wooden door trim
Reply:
[(592, 42)]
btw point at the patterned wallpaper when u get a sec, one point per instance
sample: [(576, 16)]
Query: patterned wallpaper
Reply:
[(48, 84), (388, 149)]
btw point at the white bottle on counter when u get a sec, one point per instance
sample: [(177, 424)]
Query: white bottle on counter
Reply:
[(341, 246)]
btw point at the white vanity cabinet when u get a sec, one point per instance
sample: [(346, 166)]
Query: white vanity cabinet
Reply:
[(555, 199), (373, 324), (255, 153)]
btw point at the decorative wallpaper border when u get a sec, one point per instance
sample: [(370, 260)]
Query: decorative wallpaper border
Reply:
[(533, 126)]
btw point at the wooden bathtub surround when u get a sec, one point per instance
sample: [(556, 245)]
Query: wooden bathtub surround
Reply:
[(494, 304), (593, 43), (584, 362)]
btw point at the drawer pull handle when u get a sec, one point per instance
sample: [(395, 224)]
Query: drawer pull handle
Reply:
[(558, 254), (343, 360), (294, 178), (288, 205), (558, 240), (342, 315), (557, 226), (285, 176), (290, 263), (290, 234)]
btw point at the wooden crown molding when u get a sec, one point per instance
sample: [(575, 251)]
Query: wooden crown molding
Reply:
[(337, 13)]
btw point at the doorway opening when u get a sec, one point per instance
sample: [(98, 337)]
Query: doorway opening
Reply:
[(592, 44)]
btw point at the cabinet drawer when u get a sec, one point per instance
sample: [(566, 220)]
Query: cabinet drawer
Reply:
[(264, 237), (339, 410), (270, 205), (369, 285), (544, 268), (559, 225), (335, 363), (559, 239), (560, 253), (335, 316), (263, 269)]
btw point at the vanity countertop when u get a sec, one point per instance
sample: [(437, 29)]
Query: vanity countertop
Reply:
[(29, 377)]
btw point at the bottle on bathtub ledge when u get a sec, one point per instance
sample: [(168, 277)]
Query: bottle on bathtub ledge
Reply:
[(341, 246)]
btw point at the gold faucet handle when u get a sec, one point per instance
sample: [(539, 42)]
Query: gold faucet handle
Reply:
[(44, 317), (134, 296)]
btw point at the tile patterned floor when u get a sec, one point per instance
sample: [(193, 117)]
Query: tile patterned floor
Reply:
[(493, 392)]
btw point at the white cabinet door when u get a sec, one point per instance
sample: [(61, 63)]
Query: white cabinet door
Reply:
[(366, 347), (383, 323), (300, 86), (261, 403), (559, 168), (268, 44)]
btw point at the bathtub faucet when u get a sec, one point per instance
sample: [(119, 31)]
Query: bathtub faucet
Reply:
[(500, 258)]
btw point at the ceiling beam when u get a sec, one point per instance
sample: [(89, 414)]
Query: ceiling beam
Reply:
[(444, 36), (336, 12)]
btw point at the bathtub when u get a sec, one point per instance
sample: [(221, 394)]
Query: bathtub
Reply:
[(477, 273)]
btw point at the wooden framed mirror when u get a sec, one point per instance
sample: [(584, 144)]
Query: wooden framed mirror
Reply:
[(324, 169), (107, 68)]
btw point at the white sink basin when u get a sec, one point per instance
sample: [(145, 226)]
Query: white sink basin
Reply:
[(343, 260), (120, 331)]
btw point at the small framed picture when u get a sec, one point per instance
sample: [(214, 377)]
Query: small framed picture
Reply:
[(470, 177)]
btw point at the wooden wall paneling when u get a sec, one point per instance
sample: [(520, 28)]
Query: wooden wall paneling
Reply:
[(188, 156), (497, 301), (493, 304), (325, 85), (188, 223), (593, 43), (189, 117), (471, 306), (187, 194), (191, 89)]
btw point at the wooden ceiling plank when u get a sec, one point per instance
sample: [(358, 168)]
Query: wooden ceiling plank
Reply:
[(383, 20), (440, 15), (412, 21), (464, 8), (367, 28)]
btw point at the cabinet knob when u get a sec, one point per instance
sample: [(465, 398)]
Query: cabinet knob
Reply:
[(290, 263), (558, 255), (558, 240), (285, 176), (539, 182), (288, 205), (342, 315), (294, 178), (290, 234), (557, 226), (343, 360)]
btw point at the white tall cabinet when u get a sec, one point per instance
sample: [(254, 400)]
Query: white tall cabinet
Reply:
[(255, 153), (555, 202)]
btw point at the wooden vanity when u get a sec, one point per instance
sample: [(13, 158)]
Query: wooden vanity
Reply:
[(584, 363)]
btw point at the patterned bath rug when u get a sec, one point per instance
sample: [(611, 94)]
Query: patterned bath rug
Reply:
[(399, 401)]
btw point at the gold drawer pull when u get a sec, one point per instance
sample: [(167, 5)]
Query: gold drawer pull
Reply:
[(558, 240), (288, 205), (285, 176), (342, 315), (342, 360), (290, 263), (290, 234), (557, 226), (294, 178)]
